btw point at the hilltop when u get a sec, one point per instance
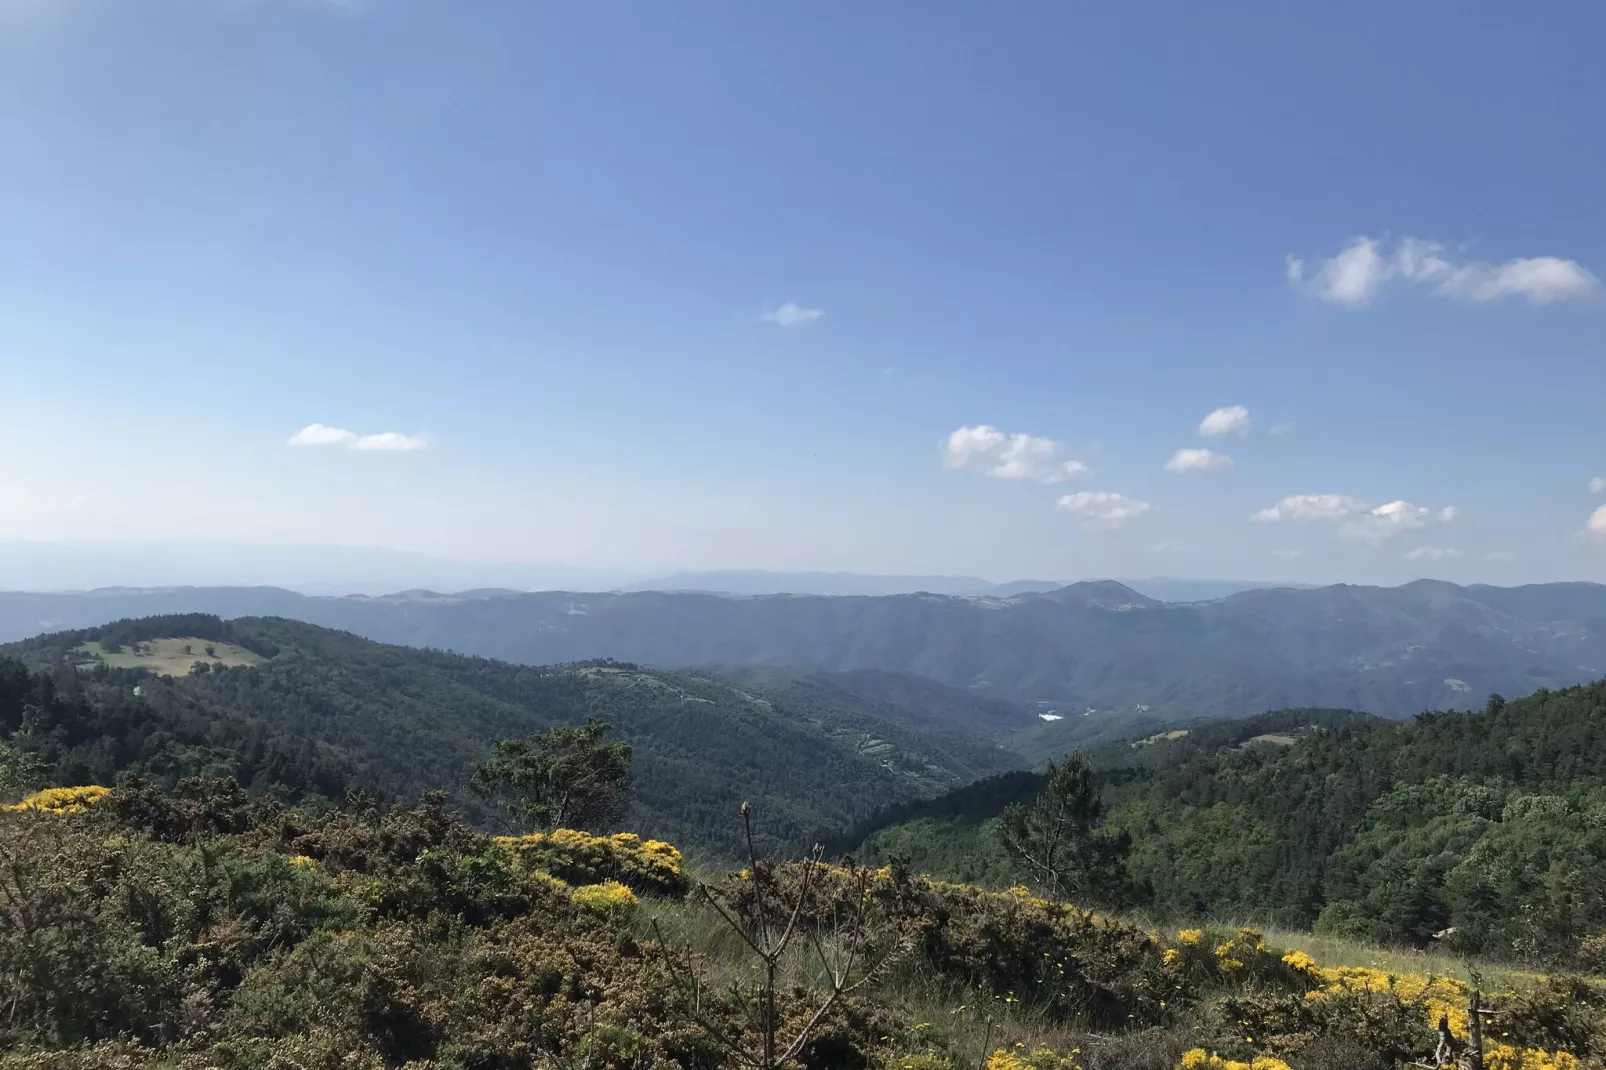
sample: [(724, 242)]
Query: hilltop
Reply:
[(321, 712)]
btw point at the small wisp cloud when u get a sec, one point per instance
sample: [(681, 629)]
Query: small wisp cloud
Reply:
[(1229, 420), (1359, 271), (792, 314), (380, 442), (984, 448), (1102, 508), (1357, 519), (1198, 460)]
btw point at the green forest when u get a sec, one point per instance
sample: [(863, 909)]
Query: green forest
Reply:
[(328, 713), (1483, 833)]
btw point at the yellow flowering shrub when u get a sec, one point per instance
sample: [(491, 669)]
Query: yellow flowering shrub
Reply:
[(1300, 961), (1437, 996), (648, 866), (609, 897), (1040, 1059), (61, 800), (1505, 1057), (1199, 1059), (1213, 958), (302, 862)]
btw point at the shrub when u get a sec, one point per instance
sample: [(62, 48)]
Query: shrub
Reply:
[(61, 800), (608, 898), (651, 867)]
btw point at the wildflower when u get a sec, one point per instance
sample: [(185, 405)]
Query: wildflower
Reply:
[(605, 898), (1189, 937), (60, 800), (1199, 1059), (301, 862), (1299, 961)]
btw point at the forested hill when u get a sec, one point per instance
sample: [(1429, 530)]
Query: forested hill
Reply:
[(302, 711), (1492, 823), (1095, 646)]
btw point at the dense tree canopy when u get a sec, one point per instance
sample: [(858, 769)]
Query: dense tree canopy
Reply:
[(1486, 831), (328, 712)]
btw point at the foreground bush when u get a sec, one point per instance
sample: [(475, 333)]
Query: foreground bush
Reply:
[(202, 928), (648, 866)]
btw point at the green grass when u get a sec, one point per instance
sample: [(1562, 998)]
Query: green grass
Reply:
[(169, 657), (1336, 951), (972, 1024)]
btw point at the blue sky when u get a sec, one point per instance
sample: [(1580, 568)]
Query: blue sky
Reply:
[(812, 286)]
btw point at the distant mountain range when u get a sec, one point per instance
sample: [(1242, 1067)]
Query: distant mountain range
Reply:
[(1100, 646), (339, 570), (737, 582)]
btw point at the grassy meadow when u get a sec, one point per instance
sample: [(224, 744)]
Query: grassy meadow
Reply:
[(169, 657)]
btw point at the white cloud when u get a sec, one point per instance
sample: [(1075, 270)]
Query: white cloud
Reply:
[(1102, 508), (1009, 456), (383, 441), (1288, 553), (1282, 429), (1355, 275), (1360, 519), (390, 441), (793, 315), (1197, 461), (1541, 279), (1311, 507), (1596, 525), (1432, 553), (1597, 484), (1499, 555), (1350, 278), (1387, 520), (1231, 420), (322, 435)]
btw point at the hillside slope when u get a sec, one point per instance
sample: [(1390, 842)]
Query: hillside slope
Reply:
[(400, 721), (1090, 646), (1492, 824)]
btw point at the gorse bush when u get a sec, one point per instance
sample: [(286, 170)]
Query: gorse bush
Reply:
[(203, 928), (61, 800), (649, 866)]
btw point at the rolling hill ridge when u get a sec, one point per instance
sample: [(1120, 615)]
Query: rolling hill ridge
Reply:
[(321, 712), (1096, 646)]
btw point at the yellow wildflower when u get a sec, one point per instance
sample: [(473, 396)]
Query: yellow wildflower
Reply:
[(1190, 936), (1300, 961), (605, 898), (1199, 1059), (61, 800)]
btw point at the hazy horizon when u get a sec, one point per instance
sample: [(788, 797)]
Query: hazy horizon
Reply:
[(37, 567)]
